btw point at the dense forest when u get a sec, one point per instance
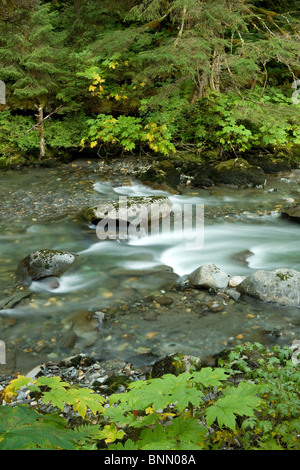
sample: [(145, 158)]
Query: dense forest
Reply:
[(158, 76)]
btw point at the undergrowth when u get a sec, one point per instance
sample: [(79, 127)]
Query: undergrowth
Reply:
[(249, 401)]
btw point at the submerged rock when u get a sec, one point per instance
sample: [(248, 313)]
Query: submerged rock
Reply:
[(208, 276), (281, 286), (42, 264), (14, 299), (238, 172)]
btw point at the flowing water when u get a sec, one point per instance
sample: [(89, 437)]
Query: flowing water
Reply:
[(242, 231)]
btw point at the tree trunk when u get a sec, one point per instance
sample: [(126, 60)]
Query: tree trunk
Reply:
[(214, 79), (201, 83), (41, 131)]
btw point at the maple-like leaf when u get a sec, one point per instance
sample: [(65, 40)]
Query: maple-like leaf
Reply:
[(241, 400)]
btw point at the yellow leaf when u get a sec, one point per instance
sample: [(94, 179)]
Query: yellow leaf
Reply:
[(107, 295), (93, 144), (149, 410), (10, 391), (97, 79), (92, 88), (150, 137), (112, 433), (142, 84), (167, 415), (152, 334)]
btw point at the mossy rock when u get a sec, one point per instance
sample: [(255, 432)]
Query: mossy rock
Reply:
[(114, 383), (280, 287), (162, 172), (175, 364), (238, 172), (133, 216), (271, 164), (42, 264), (292, 212)]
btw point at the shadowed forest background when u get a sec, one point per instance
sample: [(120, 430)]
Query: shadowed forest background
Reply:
[(213, 78)]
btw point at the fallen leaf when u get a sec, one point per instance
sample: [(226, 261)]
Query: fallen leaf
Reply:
[(152, 334)]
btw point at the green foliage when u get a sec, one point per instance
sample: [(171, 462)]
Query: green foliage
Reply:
[(236, 122), (61, 393), (127, 132), (192, 411), (153, 75), (31, 57), (19, 141), (25, 428), (15, 140), (241, 400), (278, 378)]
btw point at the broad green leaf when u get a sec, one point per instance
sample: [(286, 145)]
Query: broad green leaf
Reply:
[(156, 439), (183, 394), (52, 382), (84, 398), (81, 399), (187, 430), (24, 428), (128, 445), (209, 377), (239, 400)]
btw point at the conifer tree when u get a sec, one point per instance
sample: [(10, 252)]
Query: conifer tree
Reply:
[(32, 55), (181, 51)]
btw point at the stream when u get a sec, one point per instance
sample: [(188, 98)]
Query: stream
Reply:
[(242, 232)]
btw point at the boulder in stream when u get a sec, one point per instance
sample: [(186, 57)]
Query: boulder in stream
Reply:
[(238, 172), (162, 173), (128, 216), (208, 276), (292, 212), (281, 286), (42, 264)]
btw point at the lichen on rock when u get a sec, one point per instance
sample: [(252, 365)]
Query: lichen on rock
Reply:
[(42, 264), (281, 286)]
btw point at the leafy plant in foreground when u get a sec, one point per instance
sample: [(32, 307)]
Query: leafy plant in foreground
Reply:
[(195, 410)]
